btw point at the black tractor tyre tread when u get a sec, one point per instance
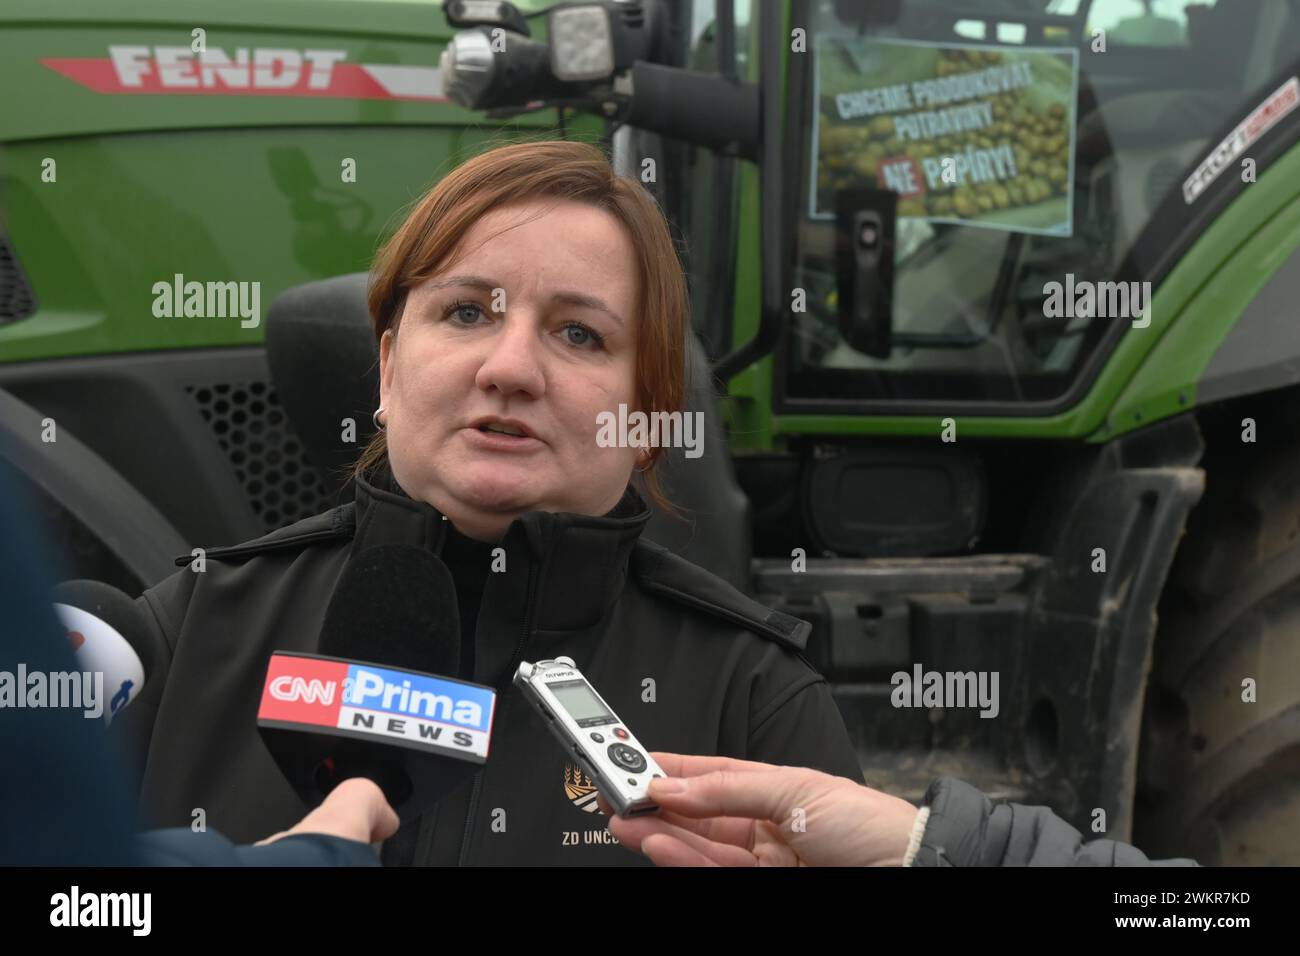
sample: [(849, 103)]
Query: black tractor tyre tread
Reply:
[(1213, 767)]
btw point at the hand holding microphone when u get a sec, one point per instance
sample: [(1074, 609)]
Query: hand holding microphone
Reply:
[(354, 810), (108, 634), (371, 704)]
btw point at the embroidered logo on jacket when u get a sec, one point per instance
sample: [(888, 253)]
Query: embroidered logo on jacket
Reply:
[(580, 789)]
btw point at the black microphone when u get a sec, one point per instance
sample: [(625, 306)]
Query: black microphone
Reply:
[(395, 604), (372, 703)]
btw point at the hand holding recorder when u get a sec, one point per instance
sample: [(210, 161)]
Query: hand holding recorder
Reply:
[(717, 811)]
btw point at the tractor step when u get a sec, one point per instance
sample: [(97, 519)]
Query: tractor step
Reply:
[(974, 576)]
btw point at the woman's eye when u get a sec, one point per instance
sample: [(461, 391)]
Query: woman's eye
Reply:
[(465, 312), (581, 335)]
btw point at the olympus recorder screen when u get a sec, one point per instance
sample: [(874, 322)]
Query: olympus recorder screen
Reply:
[(577, 698)]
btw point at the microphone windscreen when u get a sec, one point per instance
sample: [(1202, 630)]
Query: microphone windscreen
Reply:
[(109, 634), (395, 605)]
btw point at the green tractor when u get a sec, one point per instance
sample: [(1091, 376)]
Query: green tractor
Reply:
[(995, 356)]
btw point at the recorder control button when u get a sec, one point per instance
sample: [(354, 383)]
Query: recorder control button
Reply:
[(621, 734), (627, 757), (597, 737)]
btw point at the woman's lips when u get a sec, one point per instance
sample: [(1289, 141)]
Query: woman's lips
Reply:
[(497, 441)]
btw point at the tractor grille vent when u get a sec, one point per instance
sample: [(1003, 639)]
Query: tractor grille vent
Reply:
[(282, 484), (17, 301)]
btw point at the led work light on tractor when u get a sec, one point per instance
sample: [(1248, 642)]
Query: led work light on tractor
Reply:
[(598, 57)]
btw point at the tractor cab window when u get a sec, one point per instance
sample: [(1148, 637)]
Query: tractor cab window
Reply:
[(1029, 145)]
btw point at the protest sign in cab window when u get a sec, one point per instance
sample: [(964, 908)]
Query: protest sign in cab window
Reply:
[(969, 134)]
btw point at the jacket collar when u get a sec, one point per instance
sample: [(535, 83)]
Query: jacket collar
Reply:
[(568, 569)]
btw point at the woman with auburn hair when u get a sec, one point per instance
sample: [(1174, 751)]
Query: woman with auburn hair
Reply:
[(526, 297)]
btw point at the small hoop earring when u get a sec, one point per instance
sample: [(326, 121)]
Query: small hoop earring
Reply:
[(375, 418)]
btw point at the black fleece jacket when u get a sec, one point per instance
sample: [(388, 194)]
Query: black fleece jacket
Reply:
[(691, 664)]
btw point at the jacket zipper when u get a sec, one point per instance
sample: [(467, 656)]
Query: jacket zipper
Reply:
[(514, 664)]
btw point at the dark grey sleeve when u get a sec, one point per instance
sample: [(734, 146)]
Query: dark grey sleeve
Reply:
[(181, 847), (966, 829)]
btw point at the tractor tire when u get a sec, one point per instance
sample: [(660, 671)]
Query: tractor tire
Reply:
[(1219, 758)]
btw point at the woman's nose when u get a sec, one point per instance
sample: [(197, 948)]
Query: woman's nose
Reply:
[(514, 361)]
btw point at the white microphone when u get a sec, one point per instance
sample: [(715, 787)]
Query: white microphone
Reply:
[(99, 647), (108, 635)]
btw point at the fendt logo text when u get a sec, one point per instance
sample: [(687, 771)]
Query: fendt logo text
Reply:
[(247, 71)]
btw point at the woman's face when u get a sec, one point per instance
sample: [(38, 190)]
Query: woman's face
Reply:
[(531, 329)]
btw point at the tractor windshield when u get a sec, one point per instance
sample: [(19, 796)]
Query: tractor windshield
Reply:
[(1032, 143)]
